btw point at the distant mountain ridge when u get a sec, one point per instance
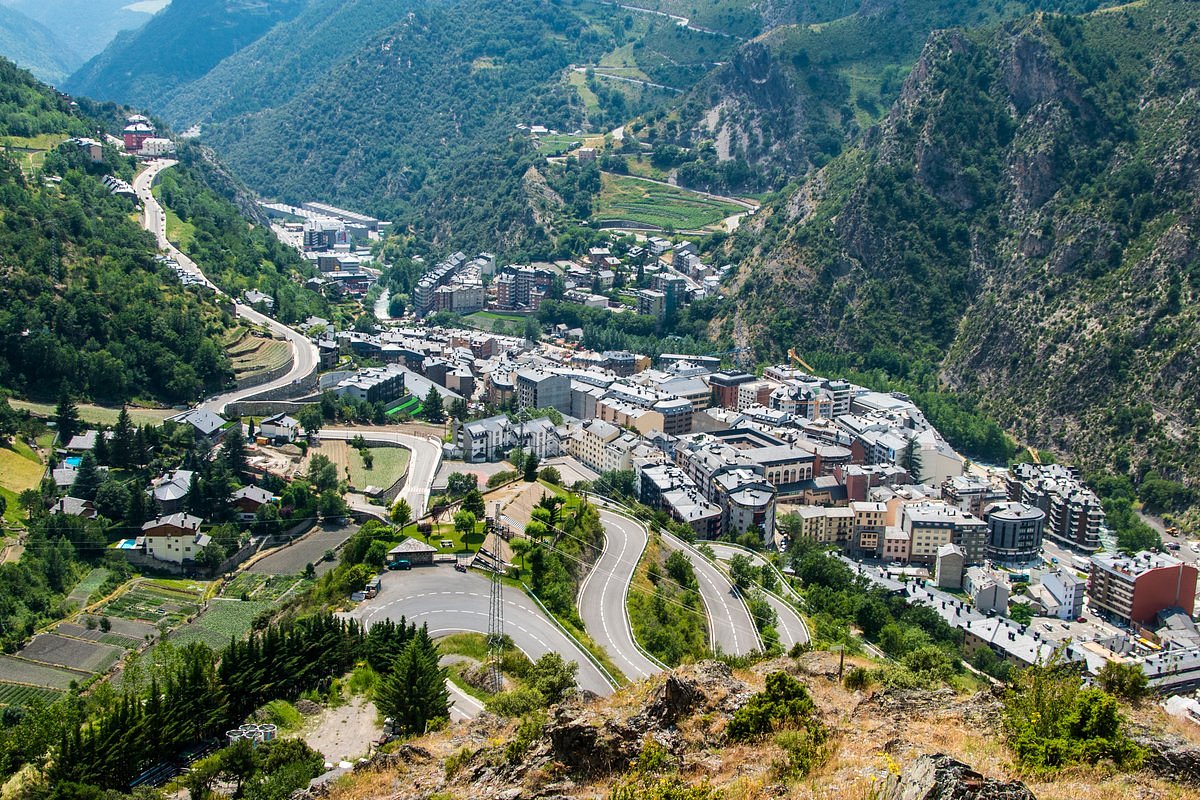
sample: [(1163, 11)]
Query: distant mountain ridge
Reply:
[(179, 44), (34, 47)]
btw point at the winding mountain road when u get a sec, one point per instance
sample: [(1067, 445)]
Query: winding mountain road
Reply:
[(304, 352), (453, 602), (791, 627), (731, 628), (602, 596)]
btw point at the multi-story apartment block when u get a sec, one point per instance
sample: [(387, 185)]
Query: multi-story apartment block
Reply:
[(666, 486), (1134, 589), (1074, 515), (932, 525), (539, 388)]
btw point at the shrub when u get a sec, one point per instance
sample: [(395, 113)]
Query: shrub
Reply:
[(858, 679), (550, 475), (1126, 681), (1052, 721), (516, 702), (783, 704), (804, 749), (528, 732), (456, 761)]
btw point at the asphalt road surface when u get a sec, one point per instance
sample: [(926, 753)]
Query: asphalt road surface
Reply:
[(304, 352), (453, 602), (422, 466), (791, 627), (731, 629), (602, 595)]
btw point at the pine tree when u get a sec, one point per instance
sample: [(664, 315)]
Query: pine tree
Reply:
[(66, 416), (123, 441), (911, 461), (102, 451), (87, 478), (414, 692), (233, 451), (432, 405)]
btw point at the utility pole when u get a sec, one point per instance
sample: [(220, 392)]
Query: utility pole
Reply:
[(496, 626)]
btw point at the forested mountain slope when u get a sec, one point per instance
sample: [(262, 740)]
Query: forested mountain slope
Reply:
[(178, 45), (1022, 224), (800, 93), (85, 27), (34, 47)]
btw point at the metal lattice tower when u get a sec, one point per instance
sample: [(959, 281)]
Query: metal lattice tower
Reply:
[(496, 631)]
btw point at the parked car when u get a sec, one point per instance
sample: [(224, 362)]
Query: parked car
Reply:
[(461, 567), (400, 564)]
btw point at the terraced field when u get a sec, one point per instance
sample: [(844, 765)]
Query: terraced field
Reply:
[(88, 586), (252, 355), (61, 651), (16, 670), (225, 619), (15, 694), (156, 603), (103, 415), (630, 199)]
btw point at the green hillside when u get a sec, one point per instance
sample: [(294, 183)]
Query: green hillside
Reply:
[(33, 46), (1021, 227)]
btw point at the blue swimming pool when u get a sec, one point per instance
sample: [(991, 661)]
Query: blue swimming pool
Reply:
[(73, 461), (127, 544)]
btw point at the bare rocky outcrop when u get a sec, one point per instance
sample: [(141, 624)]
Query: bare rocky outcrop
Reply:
[(1171, 757), (940, 777)]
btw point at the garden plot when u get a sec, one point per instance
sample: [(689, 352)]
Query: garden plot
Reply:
[(14, 694), (225, 619), (88, 586), (127, 628), (96, 635), (156, 604), (16, 670), (261, 587), (50, 648)]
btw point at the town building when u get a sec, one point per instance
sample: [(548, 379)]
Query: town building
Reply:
[(248, 500), (932, 525), (1014, 532), (279, 428), (949, 567), (171, 489), (175, 538), (666, 486), (1134, 589), (373, 385)]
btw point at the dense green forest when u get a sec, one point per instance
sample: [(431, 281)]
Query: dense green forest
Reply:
[(84, 306), (1013, 231)]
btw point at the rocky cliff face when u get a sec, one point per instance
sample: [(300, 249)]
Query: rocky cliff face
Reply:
[(1025, 216), (666, 738)]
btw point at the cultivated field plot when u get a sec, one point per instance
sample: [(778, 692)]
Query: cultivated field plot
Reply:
[(155, 602), (127, 628), (14, 694), (50, 648), (308, 549), (97, 635), (255, 355), (265, 588), (634, 200), (16, 670), (225, 619), (99, 414), (88, 586)]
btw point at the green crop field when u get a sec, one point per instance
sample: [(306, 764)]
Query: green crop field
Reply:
[(156, 602), (89, 585), (261, 587), (225, 619), (389, 464), (15, 670), (623, 197), (556, 144), (14, 694), (99, 414)]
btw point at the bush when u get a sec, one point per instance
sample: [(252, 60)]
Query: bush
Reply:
[(516, 702), (456, 761), (550, 475), (803, 749), (1126, 681), (504, 476), (783, 704), (858, 679), (1052, 721), (528, 732)]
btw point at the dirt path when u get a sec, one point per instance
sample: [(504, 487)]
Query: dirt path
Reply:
[(344, 733)]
